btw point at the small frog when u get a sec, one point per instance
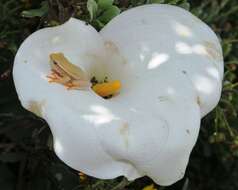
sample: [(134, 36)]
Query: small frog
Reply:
[(66, 73)]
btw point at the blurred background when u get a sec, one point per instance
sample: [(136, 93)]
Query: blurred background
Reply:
[(27, 160)]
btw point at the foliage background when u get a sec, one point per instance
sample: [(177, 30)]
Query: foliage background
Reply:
[(27, 160)]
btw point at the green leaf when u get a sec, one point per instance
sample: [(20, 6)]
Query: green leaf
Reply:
[(157, 1), (173, 2), (185, 6), (227, 47), (11, 157), (104, 4), (36, 12), (99, 24), (109, 14), (92, 8)]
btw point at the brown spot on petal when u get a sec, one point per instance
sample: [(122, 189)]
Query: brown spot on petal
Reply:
[(143, 21), (188, 131), (198, 101), (182, 174), (212, 51), (124, 132), (109, 45), (114, 52), (36, 107), (184, 72)]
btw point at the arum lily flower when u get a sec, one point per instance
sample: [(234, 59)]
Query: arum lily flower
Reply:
[(166, 67)]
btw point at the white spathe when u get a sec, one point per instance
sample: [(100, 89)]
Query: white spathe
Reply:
[(171, 67)]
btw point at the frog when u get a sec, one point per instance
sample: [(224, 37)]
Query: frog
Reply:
[(66, 73)]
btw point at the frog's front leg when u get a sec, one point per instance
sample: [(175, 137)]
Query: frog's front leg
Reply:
[(79, 84), (62, 79)]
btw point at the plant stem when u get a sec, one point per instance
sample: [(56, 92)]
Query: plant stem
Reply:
[(124, 182)]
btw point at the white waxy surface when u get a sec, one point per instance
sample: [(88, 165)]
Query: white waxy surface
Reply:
[(171, 67)]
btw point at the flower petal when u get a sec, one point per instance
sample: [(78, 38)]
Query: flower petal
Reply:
[(155, 128), (153, 36), (75, 139)]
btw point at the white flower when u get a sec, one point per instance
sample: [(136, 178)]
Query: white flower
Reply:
[(170, 66)]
